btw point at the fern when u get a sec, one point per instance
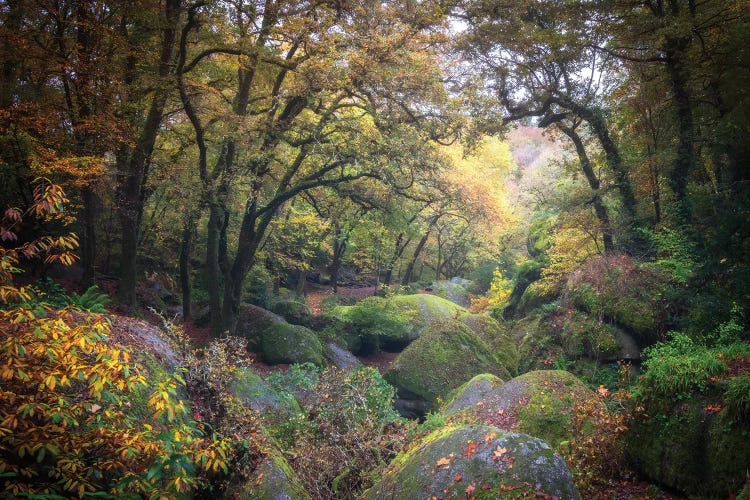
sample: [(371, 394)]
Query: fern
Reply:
[(91, 300)]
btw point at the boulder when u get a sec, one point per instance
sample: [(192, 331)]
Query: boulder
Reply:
[(339, 357), (455, 290), (273, 479), (497, 337), (471, 393), (389, 324), (285, 343), (697, 447), (539, 403), (446, 355), (252, 321), (481, 461), (293, 311), (259, 396)]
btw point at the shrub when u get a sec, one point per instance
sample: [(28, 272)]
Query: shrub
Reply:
[(355, 433)]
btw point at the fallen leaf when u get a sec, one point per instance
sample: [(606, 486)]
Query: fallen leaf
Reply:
[(602, 391), (444, 461), (499, 452), (489, 437), (457, 477), (470, 489), (500, 412), (471, 448), (95, 408)]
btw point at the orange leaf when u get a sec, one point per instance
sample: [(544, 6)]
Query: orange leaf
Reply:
[(489, 437), (499, 452), (470, 489), (471, 448), (457, 477), (444, 461)]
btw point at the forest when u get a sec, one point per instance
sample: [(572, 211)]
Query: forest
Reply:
[(334, 249)]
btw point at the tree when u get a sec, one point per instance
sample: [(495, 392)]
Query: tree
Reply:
[(323, 97)]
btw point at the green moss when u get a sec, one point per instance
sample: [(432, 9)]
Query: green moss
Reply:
[(471, 392), (583, 335), (295, 312), (416, 473), (378, 323), (497, 336), (273, 479), (445, 356), (285, 343), (534, 296)]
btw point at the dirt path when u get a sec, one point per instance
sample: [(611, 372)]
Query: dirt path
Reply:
[(315, 294)]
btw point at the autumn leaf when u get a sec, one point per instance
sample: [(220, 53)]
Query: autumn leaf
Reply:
[(602, 391), (489, 437), (470, 489), (444, 461), (499, 452), (471, 448), (457, 477)]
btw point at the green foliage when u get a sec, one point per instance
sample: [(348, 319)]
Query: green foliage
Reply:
[(675, 251), (353, 433), (48, 293), (259, 287), (481, 277), (737, 395)]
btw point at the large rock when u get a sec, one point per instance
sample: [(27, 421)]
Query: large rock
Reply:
[(471, 393), (252, 321), (446, 355), (339, 357), (259, 396), (293, 311), (273, 479), (540, 403), (481, 461), (285, 343), (498, 337), (455, 290), (630, 294), (390, 324), (696, 447)]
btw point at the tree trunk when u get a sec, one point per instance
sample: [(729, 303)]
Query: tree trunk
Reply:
[(214, 276), (88, 237), (599, 208), (410, 268), (133, 165), (185, 247), (684, 161)]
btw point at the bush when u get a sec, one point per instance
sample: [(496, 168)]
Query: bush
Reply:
[(67, 427), (355, 432)]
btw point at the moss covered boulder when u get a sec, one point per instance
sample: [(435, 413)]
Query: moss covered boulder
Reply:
[(583, 335), (540, 403), (471, 393), (478, 462), (293, 311), (446, 355), (286, 343), (497, 336), (390, 324), (538, 345), (253, 321), (273, 479), (456, 290), (697, 447), (259, 396), (628, 293)]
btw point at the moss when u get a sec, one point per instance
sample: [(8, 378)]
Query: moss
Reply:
[(273, 479), (471, 392), (294, 312), (533, 297), (285, 343), (525, 463), (691, 449), (583, 335), (390, 324), (445, 356), (497, 336), (253, 321)]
